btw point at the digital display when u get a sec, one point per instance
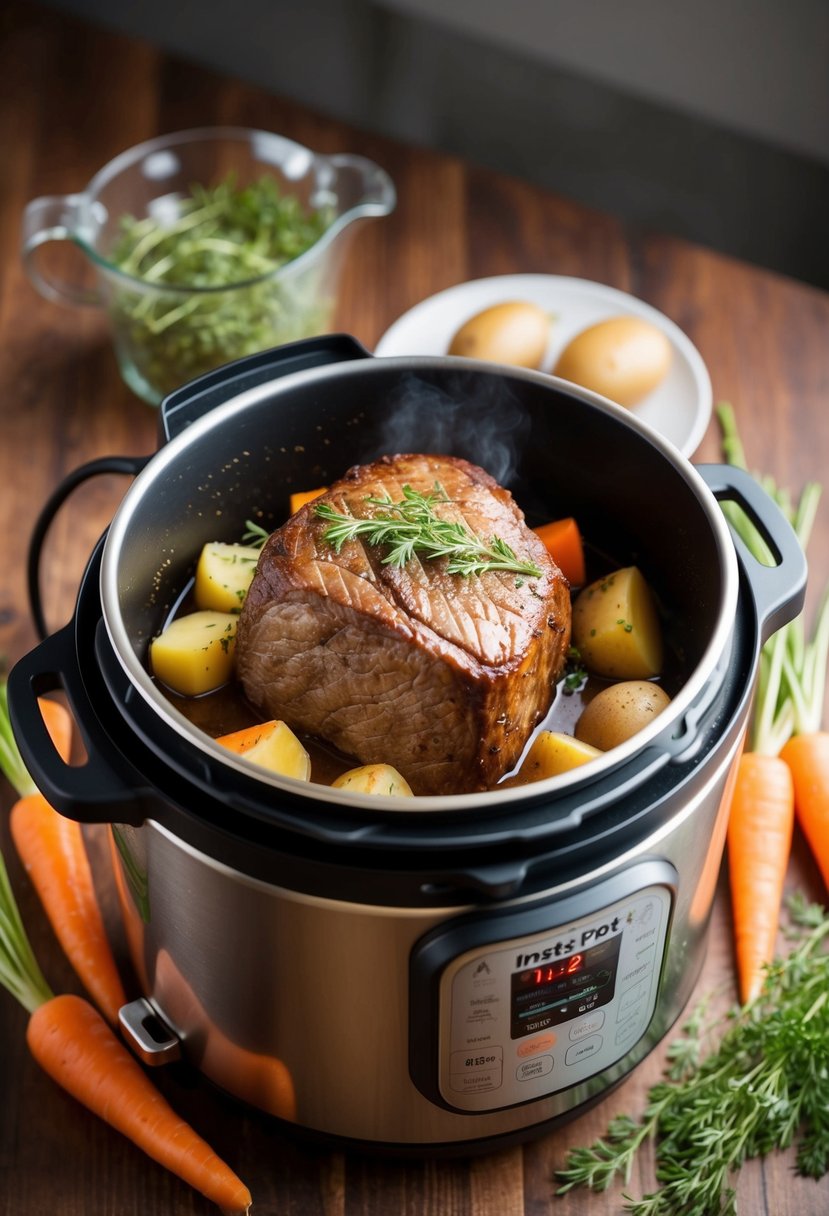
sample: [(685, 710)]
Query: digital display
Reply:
[(551, 971), (549, 992)]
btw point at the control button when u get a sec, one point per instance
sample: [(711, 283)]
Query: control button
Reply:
[(530, 1069), (476, 1061), (583, 1051), (639, 972), (587, 1025), (628, 1031), (475, 1082), (532, 1047), (630, 998)]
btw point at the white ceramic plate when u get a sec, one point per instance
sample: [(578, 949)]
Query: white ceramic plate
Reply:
[(679, 408)]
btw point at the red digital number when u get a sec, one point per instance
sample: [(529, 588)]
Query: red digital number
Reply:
[(546, 975)]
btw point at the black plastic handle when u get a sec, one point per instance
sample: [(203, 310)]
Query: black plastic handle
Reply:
[(192, 401), (779, 591), (98, 791), (129, 465)]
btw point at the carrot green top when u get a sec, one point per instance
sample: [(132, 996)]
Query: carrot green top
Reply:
[(11, 762), (792, 675), (19, 970)]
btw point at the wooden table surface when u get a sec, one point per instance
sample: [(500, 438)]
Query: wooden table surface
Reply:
[(73, 97)]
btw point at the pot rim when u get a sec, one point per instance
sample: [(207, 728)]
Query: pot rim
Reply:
[(166, 457)]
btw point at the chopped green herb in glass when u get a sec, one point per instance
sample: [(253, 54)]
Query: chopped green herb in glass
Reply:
[(209, 291)]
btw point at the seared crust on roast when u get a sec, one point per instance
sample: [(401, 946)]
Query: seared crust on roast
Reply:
[(442, 675)]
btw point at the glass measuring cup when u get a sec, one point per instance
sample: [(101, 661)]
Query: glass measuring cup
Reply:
[(166, 333)]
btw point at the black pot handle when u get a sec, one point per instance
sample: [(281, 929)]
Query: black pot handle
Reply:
[(197, 398), (778, 590), (129, 465), (101, 792)]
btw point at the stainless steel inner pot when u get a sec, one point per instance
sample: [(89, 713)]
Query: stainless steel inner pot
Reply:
[(358, 943)]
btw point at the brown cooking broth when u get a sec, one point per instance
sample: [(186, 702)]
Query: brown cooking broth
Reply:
[(226, 709)]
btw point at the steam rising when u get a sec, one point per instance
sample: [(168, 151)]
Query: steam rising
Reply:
[(477, 417)]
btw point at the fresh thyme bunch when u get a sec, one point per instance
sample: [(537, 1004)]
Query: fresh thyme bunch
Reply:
[(763, 1086)]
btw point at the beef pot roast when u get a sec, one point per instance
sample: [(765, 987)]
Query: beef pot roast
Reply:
[(442, 675)]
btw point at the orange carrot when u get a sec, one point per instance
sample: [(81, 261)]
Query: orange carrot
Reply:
[(789, 701), (262, 1080), (59, 725), (300, 498), (52, 851), (563, 542), (243, 740), (53, 854), (759, 842), (807, 756), (72, 1042), (74, 1045)]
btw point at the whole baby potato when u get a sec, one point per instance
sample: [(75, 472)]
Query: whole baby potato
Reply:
[(616, 627), (514, 332), (620, 711), (622, 358)]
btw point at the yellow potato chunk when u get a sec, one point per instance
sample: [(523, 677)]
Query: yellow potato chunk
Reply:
[(223, 576), (279, 750), (194, 654), (374, 779), (620, 711), (552, 753), (616, 627)]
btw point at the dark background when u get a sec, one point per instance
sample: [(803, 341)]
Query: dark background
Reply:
[(707, 120)]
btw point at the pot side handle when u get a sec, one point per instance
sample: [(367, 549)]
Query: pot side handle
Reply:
[(131, 466), (778, 590), (191, 402), (100, 792)]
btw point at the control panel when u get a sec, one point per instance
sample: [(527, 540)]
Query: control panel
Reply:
[(524, 1016)]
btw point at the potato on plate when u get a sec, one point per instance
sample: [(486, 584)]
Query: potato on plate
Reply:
[(623, 358), (515, 332)]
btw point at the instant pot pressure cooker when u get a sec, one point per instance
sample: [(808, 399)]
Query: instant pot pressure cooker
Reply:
[(429, 973)]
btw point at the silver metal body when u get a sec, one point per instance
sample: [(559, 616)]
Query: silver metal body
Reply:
[(247, 973)]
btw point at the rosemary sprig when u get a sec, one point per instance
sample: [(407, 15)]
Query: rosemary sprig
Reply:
[(413, 526), (763, 1086), (255, 536)]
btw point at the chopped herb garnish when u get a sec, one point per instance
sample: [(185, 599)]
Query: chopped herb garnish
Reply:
[(220, 237), (575, 673)]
